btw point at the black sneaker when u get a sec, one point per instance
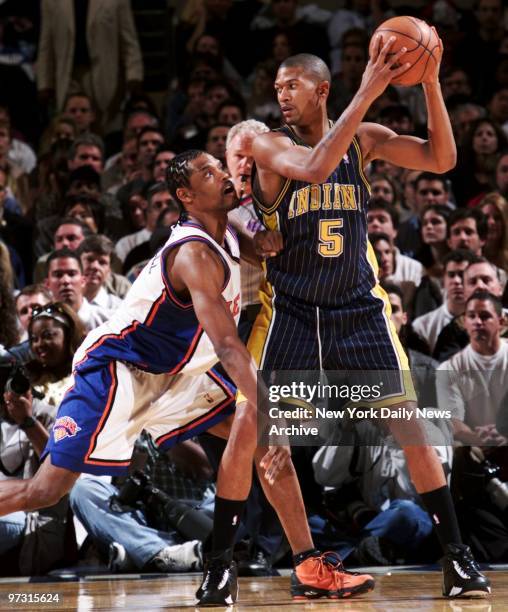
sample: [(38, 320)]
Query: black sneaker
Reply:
[(220, 581), (461, 573)]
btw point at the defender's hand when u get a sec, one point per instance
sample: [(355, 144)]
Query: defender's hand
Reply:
[(274, 461), (268, 243), (381, 68)]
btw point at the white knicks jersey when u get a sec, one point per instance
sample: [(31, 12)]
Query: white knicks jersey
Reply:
[(153, 329)]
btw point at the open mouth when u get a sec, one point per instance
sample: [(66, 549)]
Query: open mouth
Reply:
[(228, 188)]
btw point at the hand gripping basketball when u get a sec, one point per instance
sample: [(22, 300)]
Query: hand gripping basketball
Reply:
[(383, 67)]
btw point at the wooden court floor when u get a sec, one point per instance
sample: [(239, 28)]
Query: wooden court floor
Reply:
[(396, 591)]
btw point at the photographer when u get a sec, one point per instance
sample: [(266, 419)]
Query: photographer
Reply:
[(150, 523), (54, 333)]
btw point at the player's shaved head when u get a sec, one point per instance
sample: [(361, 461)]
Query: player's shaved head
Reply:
[(312, 65)]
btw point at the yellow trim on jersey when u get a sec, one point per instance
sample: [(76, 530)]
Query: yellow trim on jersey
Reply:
[(260, 329), (271, 222), (360, 164), (269, 210)]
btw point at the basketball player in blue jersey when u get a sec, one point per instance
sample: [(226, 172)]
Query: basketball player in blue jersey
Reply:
[(152, 367), (325, 309)]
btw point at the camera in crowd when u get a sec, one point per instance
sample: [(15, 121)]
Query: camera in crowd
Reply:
[(12, 378), (496, 488), (138, 490)]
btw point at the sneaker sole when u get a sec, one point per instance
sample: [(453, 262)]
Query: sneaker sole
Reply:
[(304, 592), (470, 595)]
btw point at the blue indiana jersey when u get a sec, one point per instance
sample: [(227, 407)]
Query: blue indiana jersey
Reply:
[(153, 329), (326, 260)]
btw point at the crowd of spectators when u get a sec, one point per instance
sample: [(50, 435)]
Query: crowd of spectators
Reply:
[(84, 205)]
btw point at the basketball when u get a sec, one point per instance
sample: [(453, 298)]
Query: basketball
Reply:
[(420, 41)]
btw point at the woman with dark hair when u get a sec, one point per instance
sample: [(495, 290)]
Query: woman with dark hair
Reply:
[(495, 207), (34, 541), (54, 333), (434, 231), (474, 175)]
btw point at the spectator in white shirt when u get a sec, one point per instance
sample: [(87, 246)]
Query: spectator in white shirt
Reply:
[(66, 282), (95, 254), (474, 382), (429, 325)]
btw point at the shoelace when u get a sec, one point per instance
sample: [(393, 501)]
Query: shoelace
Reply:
[(331, 560)]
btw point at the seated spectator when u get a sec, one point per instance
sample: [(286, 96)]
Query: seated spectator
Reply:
[(162, 211), (385, 188), (495, 208), (394, 267), (125, 245), (87, 210), (61, 128), (79, 107), (9, 330), (121, 168), (231, 112), (150, 139), (95, 254), (216, 141), (55, 333), (479, 275), (472, 177), (160, 163), (462, 116), (474, 382), (30, 297), (140, 533), (429, 325), (497, 106), (467, 229), (69, 233), (501, 179), (66, 282), (430, 188)]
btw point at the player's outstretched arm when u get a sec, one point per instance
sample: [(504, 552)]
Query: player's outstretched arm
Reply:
[(201, 271), (436, 154), (273, 152)]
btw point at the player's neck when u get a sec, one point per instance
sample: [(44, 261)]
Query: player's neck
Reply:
[(312, 132), (213, 224)]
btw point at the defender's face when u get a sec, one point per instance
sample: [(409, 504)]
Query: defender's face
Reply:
[(297, 94), (211, 187)]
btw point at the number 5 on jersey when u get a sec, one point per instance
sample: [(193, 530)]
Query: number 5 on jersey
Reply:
[(330, 239)]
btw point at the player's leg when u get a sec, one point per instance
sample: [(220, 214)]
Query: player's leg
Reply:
[(429, 479), (44, 489)]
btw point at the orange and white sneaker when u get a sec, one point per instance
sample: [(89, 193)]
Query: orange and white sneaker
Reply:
[(323, 575)]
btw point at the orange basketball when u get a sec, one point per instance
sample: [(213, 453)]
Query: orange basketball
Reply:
[(421, 42)]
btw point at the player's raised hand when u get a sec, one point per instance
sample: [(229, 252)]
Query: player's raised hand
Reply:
[(382, 67), (432, 72), (268, 243)]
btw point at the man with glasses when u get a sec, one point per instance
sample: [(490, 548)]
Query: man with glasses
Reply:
[(430, 188)]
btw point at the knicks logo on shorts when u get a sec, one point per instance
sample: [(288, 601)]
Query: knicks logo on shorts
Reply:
[(65, 427)]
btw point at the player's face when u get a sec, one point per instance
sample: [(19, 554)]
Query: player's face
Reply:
[(385, 258), (239, 161), (96, 268), (399, 317), (433, 228), (297, 95), (454, 280), (25, 305), (481, 277), (464, 235), (482, 322), (211, 187), (379, 221), (47, 341)]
